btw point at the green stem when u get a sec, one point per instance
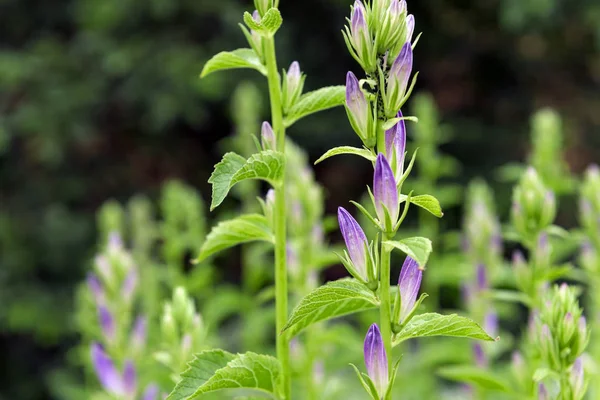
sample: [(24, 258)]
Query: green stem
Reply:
[(384, 309), (281, 280)]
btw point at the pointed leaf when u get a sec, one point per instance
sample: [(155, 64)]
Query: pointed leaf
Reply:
[(335, 299), (418, 248), (240, 58), (426, 202), (221, 177), (269, 23), (200, 370), (474, 375), (432, 324), (251, 373), (347, 150), (243, 229), (318, 100), (266, 165)]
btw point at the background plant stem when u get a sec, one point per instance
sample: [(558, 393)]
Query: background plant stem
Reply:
[(281, 280), (384, 309)]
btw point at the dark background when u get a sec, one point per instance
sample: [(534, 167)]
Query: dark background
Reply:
[(101, 99)]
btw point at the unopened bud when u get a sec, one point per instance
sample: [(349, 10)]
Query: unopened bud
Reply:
[(267, 137)]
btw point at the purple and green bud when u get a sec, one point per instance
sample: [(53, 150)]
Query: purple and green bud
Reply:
[(577, 379), (130, 284), (385, 194), (395, 146), (482, 280), (534, 207), (359, 39), (481, 359), (96, 288), (107, 323), (151, 392), (409, 284), (138, 334), (267, 137), (107, 374), (376, 359), (398, 81), (543, 392), (293, 83), (356, 243), (129, 380), (358, 108)]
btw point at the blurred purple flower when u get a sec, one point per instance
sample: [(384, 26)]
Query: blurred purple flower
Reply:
[(107, 374), (107, 323), (151, 392), (129, 379)]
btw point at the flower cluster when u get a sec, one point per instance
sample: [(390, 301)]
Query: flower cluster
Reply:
[(379, 38), (113, 287), (561, 334)]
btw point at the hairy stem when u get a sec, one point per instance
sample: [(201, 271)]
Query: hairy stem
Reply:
[(384, 309), (281, 280)]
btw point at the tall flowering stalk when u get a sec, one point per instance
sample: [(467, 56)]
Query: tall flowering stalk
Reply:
[(379, 36)]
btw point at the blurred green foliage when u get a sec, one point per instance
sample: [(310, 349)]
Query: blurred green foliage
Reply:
[(100, 99)]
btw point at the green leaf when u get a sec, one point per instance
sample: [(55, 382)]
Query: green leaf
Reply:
[(318, 100), (418, 248), (233, 168), (347, 150), (335, 299), (432, 324), (200, 370), (269, 23), (473, 375), (243, 229), (426, 202), (221, 177), (240, 58), (253, 374), (266, 165)]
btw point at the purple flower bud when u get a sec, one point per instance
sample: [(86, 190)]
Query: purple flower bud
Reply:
[(385, 191), (482, 283), (518, 260), (410, 27), (543, 392), (96, 288), (318, 372), (267, 137), (129, 379), (400, 75), (358, 24), (490, 323), (151, 392), (107, 323), (357, 105), (395, 144), (104, 268), (577, 378), (376, 359), (107, 374), (186, 343), (293, 76), (517, 360), (256, 16), (138, 335), (409, 284), (480, 357), (115, 242), (356, 242), (130, 284)]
